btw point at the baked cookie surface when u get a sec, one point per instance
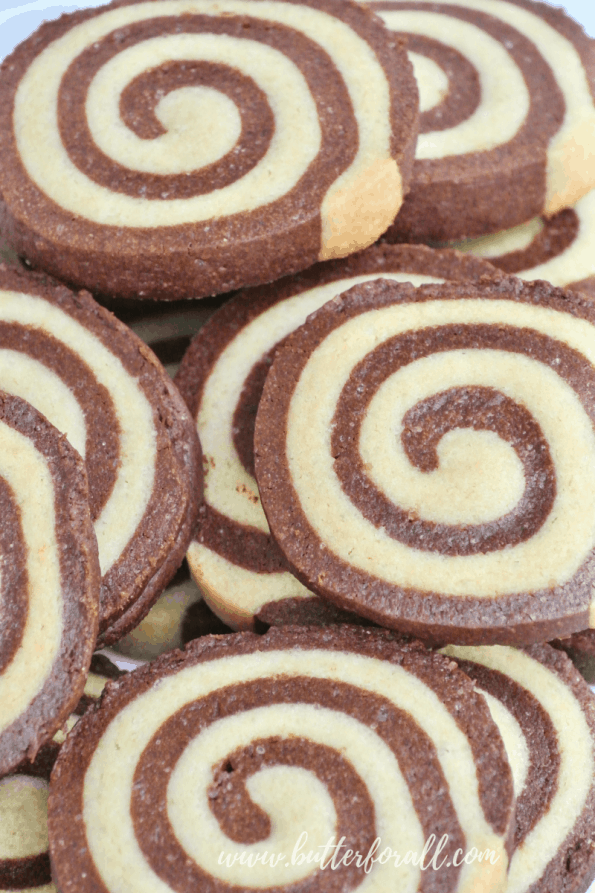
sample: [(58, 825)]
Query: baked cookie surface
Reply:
[(441, 481), (302, 129), (242, 743), (102, 387), (507, 114), (546, 714), (558, 249), (49, 585), (238, 567)]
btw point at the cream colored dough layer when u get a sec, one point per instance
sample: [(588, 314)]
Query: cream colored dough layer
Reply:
[(46, 161), (505, 99), (571, 153), (432, 81), (517, 238), (228, 486), (133, 487), (109, 777), (566, 538), (23, 816), (515, 742), (27, 474), (575, 746), (234, 593), (575, 263)]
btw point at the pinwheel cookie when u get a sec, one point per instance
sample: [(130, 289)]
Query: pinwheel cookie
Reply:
[(507, 127), (49, 586), (558, 249), (242, 744), (441, 482), (102, 387), (238, 567), (24, 849), (546, 714), (175, 149)]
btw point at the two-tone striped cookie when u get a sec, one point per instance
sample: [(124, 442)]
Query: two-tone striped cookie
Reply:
[(102, 387), (243, 745), (24, 847), (507, 128), (425, 458), (164, 627), (49, 581), (233, 559), (182, 148), (546, 715), (558, 249)]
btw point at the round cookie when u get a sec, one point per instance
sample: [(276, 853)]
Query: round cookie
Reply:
[(243, 744), (24, 847), (98, 383), (558, 249), (233, 559), (49, 584), (441, 481), (184, 148), (507, 119), (163, 627), (546, 715)]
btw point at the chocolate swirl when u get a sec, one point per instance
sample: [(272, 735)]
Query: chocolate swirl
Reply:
[(49, 586), (233, 559), (249, 741), (195, 149), (545, 713), (90, 377), (432, 486), (556, 248), (506, 90)]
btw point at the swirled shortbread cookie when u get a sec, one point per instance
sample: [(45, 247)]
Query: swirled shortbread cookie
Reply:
[(507, 128), (233, 559), (243, 744), (183, 148), (162, 629), (425, 458), (24, 847), (546, 715), (49, 581), (102, 387), (558, 249)]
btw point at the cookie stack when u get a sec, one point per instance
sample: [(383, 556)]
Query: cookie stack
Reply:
[(333, 519)]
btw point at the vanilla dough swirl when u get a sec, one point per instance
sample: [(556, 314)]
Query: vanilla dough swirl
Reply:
[(242, 743), (238, 567), (181, 148), (101, 387), (49, 581), (507, 102), (441, 480)]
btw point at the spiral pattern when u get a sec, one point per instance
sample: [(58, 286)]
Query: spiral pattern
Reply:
[(24, 846), (546, 714), (558, 248), (233, 559), (49, 583), (98, 384), (245, 742), (441, 482), (507, 93), (205, 145)]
